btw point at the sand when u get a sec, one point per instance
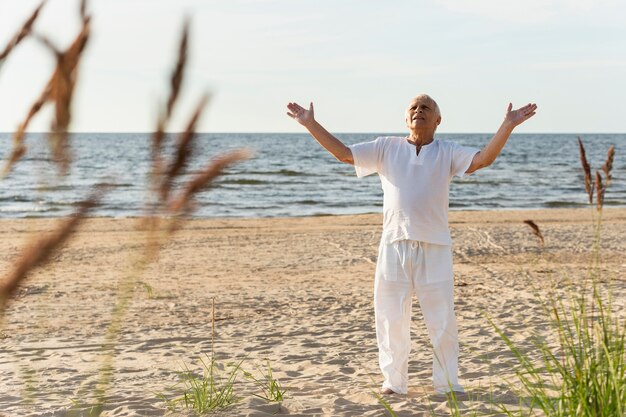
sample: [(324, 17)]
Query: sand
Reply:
[(296, 291)]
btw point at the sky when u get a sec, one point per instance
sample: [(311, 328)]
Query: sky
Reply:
[(360, 62)]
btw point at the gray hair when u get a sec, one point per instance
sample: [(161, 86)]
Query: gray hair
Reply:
[(437, 110)]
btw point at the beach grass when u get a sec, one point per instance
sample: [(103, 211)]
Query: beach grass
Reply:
[(209, 391), (213, 388), (585, 373), (272, 390)]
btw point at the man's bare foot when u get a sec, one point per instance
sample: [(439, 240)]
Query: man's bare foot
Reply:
[(387, 391)]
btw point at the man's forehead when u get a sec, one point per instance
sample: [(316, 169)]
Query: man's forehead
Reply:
[(422, 99)]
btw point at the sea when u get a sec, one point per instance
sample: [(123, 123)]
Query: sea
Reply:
[(290, 175)]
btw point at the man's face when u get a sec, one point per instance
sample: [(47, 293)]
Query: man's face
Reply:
[(421, 114)]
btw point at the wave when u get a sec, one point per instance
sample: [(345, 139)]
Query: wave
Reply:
[(308, 202), (283, 172), (114, 185), (290, 173), (19, 199), (483, 182), (244, 181), (555, 204)]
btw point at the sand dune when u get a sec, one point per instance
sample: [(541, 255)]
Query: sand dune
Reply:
[(296, 291)]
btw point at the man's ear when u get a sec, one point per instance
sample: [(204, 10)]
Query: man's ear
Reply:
[(438, 120)]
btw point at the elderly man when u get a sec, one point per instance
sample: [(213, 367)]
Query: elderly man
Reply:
[(415, 252)]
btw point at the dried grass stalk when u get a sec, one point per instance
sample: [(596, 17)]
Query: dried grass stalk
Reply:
[(63, 82), (600, 189), (535, 230), (177, 75), (83, 10), (19, 149), (38, 252), (24, 31), (161, 181), (157, 144), (59, 91), (586, 170), (175, 83), (181, 204), (183, 149), (608, 164)]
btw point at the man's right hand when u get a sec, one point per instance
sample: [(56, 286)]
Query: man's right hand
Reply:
[(300, 114), (329, 142)]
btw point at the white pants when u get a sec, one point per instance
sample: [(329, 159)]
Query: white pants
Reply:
[(405, 268)]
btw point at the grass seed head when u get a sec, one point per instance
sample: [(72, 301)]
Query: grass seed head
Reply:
[(183, 150), (19, 149), (39, 250), (157, 145), (608, 164), (159, 183), (58, 91), (599, 191), (24, 31), (535, 230), (63, 82), (83, 11), (177, 75), (181, 203), (586, 170)]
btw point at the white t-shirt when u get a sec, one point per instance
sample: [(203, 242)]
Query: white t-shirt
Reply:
[(415, 188)]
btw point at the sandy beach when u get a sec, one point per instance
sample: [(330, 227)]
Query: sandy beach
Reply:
[(297, 291)]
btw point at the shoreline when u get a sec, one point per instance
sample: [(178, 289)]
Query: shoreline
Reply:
[(454, 216)]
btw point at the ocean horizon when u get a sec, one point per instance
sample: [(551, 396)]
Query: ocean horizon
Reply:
[(290, 175)]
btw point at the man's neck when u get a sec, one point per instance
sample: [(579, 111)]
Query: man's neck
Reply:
[(421, 138)]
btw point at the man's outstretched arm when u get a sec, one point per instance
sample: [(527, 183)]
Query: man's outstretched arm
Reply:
[(307, 119), (512, 119)]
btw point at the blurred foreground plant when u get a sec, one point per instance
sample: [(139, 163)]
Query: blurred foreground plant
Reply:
[(59, 92), (167, 208), (24, 31), (39, 250)]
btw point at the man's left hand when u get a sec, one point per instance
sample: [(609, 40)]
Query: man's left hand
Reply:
[(519, 116)]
